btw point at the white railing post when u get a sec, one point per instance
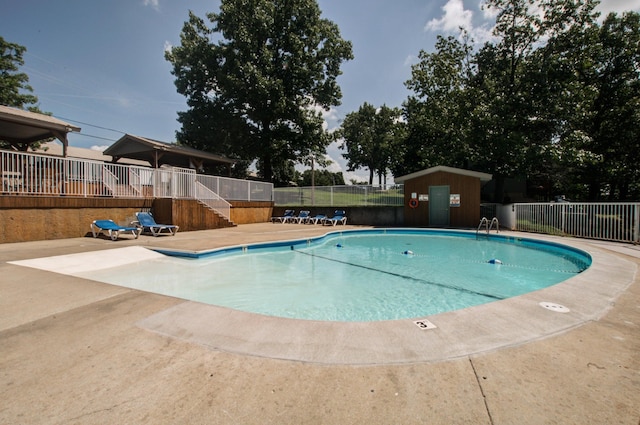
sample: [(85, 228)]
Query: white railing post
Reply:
[(85, 179), (636, 223), (172, 188)]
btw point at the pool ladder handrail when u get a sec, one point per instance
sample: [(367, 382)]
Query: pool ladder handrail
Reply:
[(488, 225)]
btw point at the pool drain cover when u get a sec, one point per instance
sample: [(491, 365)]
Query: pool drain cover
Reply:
[(424, 324), (554, 307)]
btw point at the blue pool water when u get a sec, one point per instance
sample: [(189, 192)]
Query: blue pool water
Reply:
[(358, 275)]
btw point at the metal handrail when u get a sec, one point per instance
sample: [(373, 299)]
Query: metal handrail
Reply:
[(494, 220), (488, 225), (211, 200)]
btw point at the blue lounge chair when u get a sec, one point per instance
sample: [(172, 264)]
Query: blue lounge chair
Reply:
[(112, 229), (300, 218), (339, 216), (315, 219), (283, 219), (148, 224)]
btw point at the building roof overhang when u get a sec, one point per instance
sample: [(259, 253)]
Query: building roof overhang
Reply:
[(159, 153), (25, 127), (484, 177)]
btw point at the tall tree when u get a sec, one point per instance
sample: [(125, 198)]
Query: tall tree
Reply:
[(370, 136), (14, 88), (501, 121), (590, 89), (255, 93), (436, 114), (610, 103)]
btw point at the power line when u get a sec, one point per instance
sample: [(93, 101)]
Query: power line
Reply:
[(93, 125), (98, 137)]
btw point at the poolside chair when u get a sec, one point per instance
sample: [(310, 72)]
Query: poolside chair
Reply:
[(339, 216), (315, 219), (147, 223), (300, 218), (112, 229), (283, 219)]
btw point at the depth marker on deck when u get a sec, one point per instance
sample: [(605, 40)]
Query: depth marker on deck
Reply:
[(424, 324)]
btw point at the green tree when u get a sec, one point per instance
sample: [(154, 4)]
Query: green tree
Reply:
[(322, 178), (436, 114), (14, 88), (589, 86), (503, 118), (257, 92), (14, 84), (606, 135), (553, 80), (370, 136)]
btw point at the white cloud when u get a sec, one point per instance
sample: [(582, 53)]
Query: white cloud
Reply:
[(455, 16), (618, 6), (99, 148), (411, 60), (331, 121), (333, 166), (488, 13), (330, 117), (482, 34), (153, 3), (167, 46)]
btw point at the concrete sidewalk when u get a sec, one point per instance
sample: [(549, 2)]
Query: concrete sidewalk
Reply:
[(77, 351)]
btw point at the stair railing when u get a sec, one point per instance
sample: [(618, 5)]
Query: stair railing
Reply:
[(212, 200)]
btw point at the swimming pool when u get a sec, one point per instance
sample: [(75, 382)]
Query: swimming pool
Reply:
[(368, 275)]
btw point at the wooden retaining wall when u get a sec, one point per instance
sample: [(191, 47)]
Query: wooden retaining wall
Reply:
[(24, 218), (191, 215)]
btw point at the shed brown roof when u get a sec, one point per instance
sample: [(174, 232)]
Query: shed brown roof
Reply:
[(484, 177)]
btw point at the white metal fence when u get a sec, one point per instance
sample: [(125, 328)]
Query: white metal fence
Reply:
[(237, 190), (44, 175), (614, 221), (340, 196)]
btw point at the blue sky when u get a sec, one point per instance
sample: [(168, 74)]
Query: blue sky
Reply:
[(100, 63)]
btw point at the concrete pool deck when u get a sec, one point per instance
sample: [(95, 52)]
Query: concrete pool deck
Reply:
[(78, 351)]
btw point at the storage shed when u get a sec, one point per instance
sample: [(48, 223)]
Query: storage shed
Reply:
[(443, 196)]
